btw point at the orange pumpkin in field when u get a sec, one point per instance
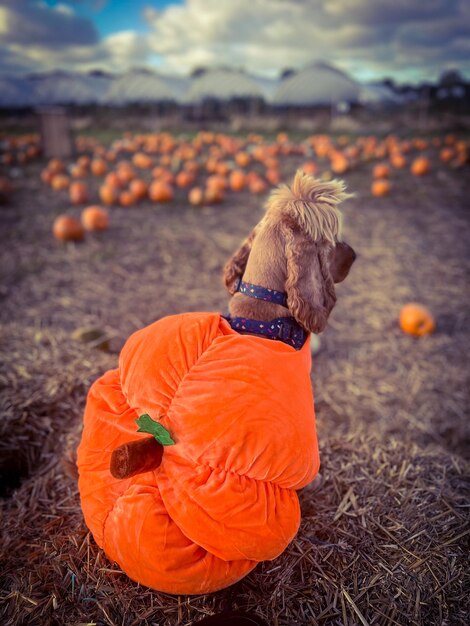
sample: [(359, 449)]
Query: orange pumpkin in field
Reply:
[(125, 174), (242, 159), (184, 179), (108, 195), (257, 185), (398, 160), (416, 320), (310, 167), (160, 191), (380, 187), (112, 180), (142, 161), (77, 171), (237, 180), (95, 218), (60, 182), (138, 188), (56, 166), (273, 176), (420, 166), (67, 228), (381, 170), (213, 194), (339, 163), (78, 193), (126, 198), (83, 161), (196, 196), (217, 182), (98, 167)]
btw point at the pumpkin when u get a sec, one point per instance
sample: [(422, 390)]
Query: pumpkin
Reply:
[(67, 228), (273, 176), (222, 168), (56, 166), (98, 167), (213, 194), (196, 196), (77, 171), (237, 180), (60, 182), (125, 174), (112, 180), (142, 161), (217, 182), (257, 185), (420, 166), (138, 188), (381, 170), (160, 191), (83, 161), (398, 160), (380, 187), (416, 320), (446, 154), (339, 164), (126, 198), (310, 167), (95, 218), (224, 495), (184, 179), (78, 193), (108, 195), (242, 159)]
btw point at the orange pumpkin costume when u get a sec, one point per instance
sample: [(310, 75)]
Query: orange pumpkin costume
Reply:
[(240, 410)]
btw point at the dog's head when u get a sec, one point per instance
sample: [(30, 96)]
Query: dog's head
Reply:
[(307, 216)]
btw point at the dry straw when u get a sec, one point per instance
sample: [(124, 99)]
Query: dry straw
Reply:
[(383, 541)]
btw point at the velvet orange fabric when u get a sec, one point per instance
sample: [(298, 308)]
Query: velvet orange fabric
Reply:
[(240, 409)]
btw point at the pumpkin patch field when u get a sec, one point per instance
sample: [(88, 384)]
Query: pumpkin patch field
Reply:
[(128, 231)]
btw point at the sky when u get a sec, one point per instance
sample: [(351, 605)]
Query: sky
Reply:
[(406, 40)]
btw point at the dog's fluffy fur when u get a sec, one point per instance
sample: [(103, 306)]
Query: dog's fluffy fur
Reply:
[(291, 249)]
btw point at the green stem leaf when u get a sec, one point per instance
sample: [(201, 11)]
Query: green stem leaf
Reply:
[(148, 425)]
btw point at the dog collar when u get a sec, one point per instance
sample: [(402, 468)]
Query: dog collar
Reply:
[(261, 293), (285, 329)]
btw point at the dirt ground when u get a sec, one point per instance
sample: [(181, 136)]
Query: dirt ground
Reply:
[(383, 541)]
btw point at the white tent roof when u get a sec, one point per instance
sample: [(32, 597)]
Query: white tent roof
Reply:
[(317, 84), (65, 88), (15, 92), (142, 86), (378, 94), (223, 84)]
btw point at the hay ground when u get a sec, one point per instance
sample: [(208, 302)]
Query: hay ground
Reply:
[(383, 541)]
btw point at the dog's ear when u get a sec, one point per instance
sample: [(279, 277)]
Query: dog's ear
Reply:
[(310, 288), (235, 266), (341, 259)]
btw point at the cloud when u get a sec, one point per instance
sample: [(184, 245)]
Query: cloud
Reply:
[(35, 37), (402, 38), (28, 23), (267, 35)]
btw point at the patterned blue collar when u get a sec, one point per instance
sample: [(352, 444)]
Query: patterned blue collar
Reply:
[(261, 293), (285, 329)]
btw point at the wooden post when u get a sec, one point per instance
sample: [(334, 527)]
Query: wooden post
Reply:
[(56, 137)]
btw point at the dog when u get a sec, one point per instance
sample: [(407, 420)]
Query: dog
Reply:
[(227, 400), (295, 249), (281, 279)]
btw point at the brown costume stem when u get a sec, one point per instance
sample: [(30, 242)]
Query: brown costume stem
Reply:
[(136, 457)]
